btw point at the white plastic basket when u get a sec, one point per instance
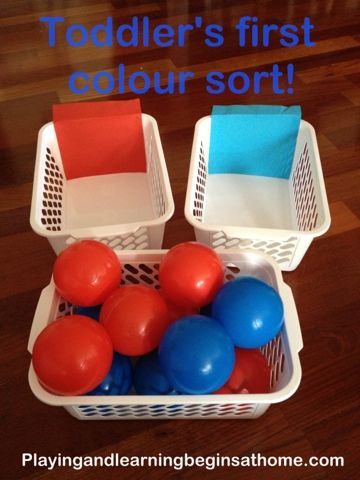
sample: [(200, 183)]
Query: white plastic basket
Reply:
[(123, 210), (275, 216), (282, 353)]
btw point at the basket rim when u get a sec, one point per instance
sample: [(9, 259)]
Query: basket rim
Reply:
[(294, 346), (152, 400), (107, 230), (255, 232)]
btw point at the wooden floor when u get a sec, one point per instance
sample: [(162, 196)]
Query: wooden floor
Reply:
[(322, 418)]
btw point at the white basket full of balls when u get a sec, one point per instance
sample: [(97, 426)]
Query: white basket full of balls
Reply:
[(183, 333)]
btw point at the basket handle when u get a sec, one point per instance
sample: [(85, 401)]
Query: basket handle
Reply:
[(40, 316), (291, 312)]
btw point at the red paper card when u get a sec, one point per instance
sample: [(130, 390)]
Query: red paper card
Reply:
[(99, 138)]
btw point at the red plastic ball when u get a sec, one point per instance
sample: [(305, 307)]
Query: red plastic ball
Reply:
[(178, 311), (72, 355), (190, 274), (251, 373), (136, 318), (86, 273)]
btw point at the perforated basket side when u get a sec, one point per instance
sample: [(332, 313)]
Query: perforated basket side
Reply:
[(135, 240), (156, 169), (156, 187), (48, 203), (165, 412), (52, 201), (302, 187), (139, 238), (281, 250), (196, 188), (198, 202)]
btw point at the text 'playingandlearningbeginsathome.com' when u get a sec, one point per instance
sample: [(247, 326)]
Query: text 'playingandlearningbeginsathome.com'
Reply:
[(248, 33), (178, 462)]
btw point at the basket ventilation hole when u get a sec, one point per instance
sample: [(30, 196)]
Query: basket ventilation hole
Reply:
[(282, 252), (138, 240), (164, 411), (154, 169), (53, 182), (198, 205), (304, 193)]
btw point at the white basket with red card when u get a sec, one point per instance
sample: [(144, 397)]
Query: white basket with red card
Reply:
[(123, 210)]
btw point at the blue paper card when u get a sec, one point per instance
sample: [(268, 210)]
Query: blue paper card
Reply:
[(253, 139)]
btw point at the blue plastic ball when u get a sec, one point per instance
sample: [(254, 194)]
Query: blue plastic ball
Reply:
[(92, 312), (196, 355), (250, 310), (119, 379), (149, 378)]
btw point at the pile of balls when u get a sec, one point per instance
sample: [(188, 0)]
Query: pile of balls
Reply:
[(195, 335)]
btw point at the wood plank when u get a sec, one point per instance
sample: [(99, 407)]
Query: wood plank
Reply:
[(26, 261), (15, 197), (343, 219)]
